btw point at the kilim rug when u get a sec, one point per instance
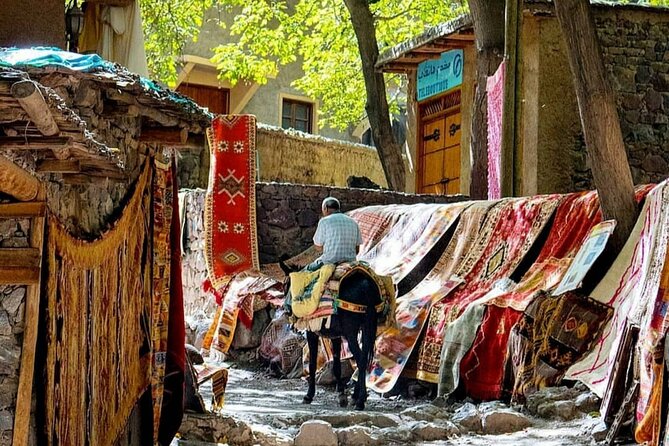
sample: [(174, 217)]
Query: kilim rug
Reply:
[(632, 280), (413, 235), (163, 205), (98, 297), (508, 232), (231, 244), (239, 297), (482, 367), (495, 90), (554, 333), (652, 338), (394, 346)]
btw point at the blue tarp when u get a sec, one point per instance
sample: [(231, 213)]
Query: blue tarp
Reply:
[(42, 57)]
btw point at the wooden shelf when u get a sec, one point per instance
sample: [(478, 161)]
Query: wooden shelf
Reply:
[(19, 276), (19, 258)]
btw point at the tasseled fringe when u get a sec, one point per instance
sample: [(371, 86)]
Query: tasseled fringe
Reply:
[(99, 296)]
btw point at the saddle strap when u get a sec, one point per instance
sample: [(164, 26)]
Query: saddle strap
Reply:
[(357, 308)]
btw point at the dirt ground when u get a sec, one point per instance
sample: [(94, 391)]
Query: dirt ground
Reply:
[(273, 410)]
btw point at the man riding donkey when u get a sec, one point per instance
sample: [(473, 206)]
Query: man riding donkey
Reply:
[(337, 297)]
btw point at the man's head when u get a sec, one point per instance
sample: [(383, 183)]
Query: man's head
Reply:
[(330, 206)]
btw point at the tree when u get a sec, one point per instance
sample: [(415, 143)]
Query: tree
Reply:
[(599, 118), (488, 18), (320, 35)]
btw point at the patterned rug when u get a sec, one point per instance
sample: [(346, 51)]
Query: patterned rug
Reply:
[(482, 367), (414, 234), (553, 333), (494, 255), (495, 90), (632, 280), (394, 347), (231, 243), (238, 303)]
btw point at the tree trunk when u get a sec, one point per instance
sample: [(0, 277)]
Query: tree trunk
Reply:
[(488, 18), (390, 152), (599, 118)]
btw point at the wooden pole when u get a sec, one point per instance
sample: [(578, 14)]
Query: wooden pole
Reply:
[(507, 171), (27, 370), (599, 118), (17, 182), (30, 97)]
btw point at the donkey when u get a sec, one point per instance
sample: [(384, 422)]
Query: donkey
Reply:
[(360, 290)]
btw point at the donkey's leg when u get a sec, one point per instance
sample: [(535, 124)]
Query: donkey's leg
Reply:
[(336, 369), (358, 395), (312, 342)]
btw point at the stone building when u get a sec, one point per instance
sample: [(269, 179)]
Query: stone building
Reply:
[(75, 136), (549, 152)]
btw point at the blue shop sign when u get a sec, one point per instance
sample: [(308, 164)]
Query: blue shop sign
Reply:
[(439, 75)]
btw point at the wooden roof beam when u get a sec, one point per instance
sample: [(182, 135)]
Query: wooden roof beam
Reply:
[(17, 182), (34, 142), (30, 98)]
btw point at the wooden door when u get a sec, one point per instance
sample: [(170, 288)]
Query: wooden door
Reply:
[(439, 155)]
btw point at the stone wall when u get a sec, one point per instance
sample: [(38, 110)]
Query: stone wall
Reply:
[(13, 234), (635, 48), (288, 214)]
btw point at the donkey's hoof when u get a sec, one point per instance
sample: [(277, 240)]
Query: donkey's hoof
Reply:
[(343, 400), (307, 400)]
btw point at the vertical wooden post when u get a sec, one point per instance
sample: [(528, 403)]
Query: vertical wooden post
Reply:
[(26, 373), (413, 131), (507, 176)]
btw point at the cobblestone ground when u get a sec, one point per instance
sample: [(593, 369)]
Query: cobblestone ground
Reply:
[(263, 410)]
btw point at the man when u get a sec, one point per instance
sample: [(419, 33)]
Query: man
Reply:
[(337, 236)]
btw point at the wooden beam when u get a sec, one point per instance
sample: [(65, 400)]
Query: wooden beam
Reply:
[(30, 97), (25, 209), (31, 323), (164, 136), (17, 182), (33, 142), (59, 166), (19, 276), (19, 257), (88, 179)]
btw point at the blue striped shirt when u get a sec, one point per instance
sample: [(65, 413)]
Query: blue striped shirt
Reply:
[(339, 235)]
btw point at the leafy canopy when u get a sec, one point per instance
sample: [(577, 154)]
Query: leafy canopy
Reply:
[(268, 34)]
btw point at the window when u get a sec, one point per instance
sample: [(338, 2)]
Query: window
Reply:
[(296, 115)]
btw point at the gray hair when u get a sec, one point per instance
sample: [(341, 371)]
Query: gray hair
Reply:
[(331, 203)]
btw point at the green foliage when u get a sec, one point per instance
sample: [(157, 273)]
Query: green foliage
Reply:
[(168, 26), (318, 33)]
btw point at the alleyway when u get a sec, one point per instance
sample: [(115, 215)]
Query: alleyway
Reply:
[(272, 409)]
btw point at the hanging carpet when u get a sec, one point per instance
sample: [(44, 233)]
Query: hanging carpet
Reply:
[(631, 282), (231, 243), (508, 231), (97, 330), (481, 369), (395, 345)]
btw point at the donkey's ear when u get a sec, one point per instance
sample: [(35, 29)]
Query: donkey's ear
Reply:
[(286, 268)]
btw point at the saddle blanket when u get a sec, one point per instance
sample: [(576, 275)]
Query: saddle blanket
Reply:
[(315, 295)]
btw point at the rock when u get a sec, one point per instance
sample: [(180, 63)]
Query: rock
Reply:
[(282, 218), (504, 421), (6, 420), (424, 412), (5, 324), (345, 419), (356, 436), (653, 100), (654, 163), (13, 300), (217, 429), (550, 394), (424, 431), (587, 402), (468, 417), (316, 433), (307, 218), (600, 431), (562, 410)]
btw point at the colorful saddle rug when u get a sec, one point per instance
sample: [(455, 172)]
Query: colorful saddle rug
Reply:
[(326, 287)]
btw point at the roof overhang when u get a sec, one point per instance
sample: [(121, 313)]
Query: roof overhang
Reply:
[(404, 57)]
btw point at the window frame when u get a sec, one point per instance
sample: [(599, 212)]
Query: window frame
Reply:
[(294, 101)]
